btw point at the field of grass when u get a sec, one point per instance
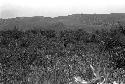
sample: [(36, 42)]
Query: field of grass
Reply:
[(59, 57)]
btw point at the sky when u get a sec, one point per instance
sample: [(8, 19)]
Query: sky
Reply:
[(54, 8)]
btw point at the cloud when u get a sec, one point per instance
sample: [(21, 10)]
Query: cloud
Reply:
[(12, 11), (54, 8)]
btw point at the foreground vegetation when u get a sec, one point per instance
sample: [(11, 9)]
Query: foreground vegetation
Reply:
[(57, 57)]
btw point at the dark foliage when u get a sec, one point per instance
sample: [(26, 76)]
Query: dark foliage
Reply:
[(24, 43), (54, 54), (48, 33), (4, 42), (12, 34)]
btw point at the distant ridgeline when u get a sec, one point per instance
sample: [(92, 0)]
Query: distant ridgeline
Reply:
[(118, 13), (87, 22)]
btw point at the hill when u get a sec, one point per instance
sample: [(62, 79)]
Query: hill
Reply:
[(88, 22)]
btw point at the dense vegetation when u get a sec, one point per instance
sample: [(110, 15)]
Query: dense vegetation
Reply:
[(58, 56)]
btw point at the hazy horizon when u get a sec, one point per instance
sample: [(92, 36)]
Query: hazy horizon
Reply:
[(55, 8)]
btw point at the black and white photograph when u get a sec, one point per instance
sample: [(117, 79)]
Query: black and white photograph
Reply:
[(62, 41)]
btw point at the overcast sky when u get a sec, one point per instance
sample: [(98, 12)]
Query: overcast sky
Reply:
[(54, 8)]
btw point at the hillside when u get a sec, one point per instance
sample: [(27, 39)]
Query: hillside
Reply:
[(85, 21)]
